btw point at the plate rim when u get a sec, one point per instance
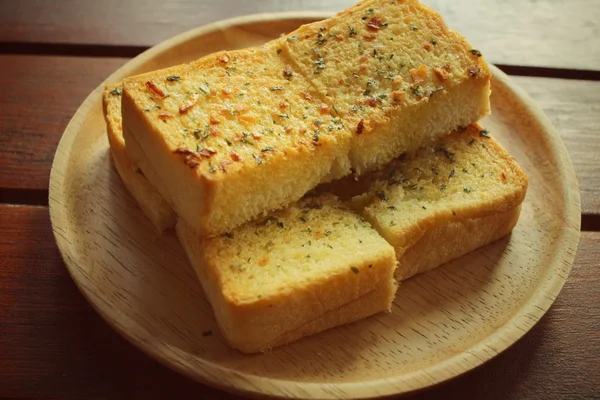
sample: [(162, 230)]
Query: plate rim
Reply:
[(536, 304)]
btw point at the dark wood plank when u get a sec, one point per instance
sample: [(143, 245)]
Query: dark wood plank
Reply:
[(42, 93), (551, 33), (52, 344), (39, 97)]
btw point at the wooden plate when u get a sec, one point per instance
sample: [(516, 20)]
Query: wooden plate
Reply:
[(443, 323)]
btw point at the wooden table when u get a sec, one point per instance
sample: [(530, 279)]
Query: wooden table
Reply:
[(53, 345)]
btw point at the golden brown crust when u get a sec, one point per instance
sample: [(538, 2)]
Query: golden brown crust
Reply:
[(150, 201), (445, 242), (376, 301)]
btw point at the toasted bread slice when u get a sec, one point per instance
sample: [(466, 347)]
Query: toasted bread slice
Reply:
[(445, 200), (237, 134), (397, 76), (447, 241), (303, 269), (233, 135), (276, 280), (158, 211)]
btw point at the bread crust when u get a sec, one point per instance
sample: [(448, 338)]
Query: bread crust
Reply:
[(448, 241), (158, 211)]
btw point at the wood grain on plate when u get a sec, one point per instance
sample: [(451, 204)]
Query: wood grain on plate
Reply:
[(551, 33), (53, 344), (443, 323), (30, 134), (573, 107)]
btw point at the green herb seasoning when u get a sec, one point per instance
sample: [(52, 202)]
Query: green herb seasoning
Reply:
[(475, 52), (116, 91), (320, 63), (449, 155), (173, 78), (468, 190), (484, 133), (204, 90), (416, 90), (381, 195), (321, 39)]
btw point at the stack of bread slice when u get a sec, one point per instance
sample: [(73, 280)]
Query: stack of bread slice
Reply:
[(307, 176)]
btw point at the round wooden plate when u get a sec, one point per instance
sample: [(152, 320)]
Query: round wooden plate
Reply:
[(442, 324)]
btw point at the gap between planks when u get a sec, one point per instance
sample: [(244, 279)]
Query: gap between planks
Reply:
[(100, 50)]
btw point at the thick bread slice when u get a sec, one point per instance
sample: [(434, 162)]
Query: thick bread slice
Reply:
[(397, 76), (372, 303), (237, 134), (306, 268), (233, 135), (446, 200), (150, 201), (138, 157), (448, 241)]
